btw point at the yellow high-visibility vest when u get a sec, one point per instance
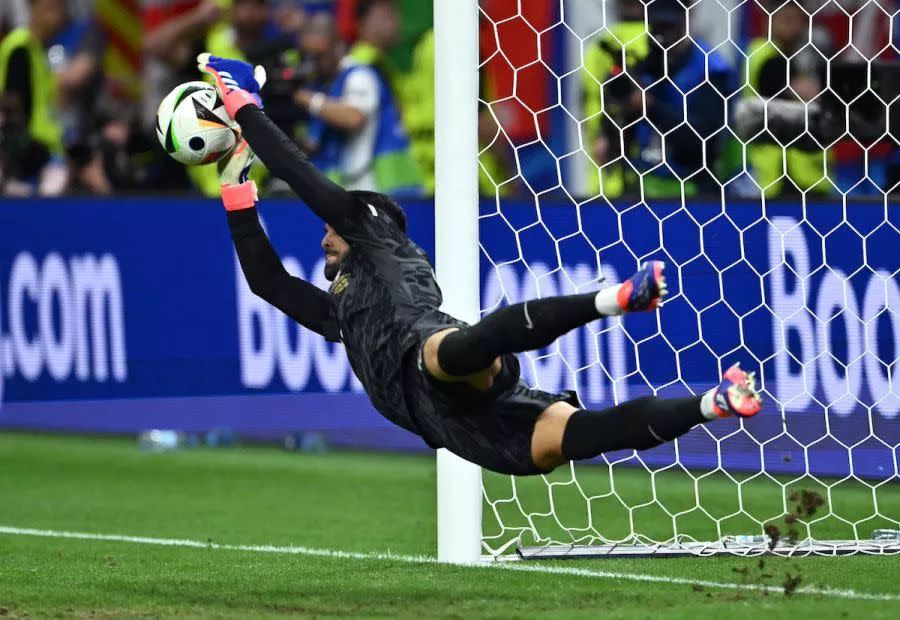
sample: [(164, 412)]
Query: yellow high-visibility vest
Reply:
[(43, 125), (598, 63), (771, 163)]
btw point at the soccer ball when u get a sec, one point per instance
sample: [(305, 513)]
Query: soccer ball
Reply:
[(192, 125)]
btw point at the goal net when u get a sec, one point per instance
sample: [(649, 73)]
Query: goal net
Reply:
[(748, 143)]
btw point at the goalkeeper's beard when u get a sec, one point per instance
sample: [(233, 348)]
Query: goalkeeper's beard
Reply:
[(332, 268)]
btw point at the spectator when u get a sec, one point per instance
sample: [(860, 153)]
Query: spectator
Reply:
[(495, 159), (248, 35), (243, 28), (603, 60), (251, 35), (32, 132), (498, 173), (675, 123), (174, 32), (13, 13), (356, 129), (418, 108), (76, 58), (322, 51), (785, 67)]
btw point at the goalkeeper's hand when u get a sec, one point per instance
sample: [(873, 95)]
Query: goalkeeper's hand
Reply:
[(238, 82), (237, 192)]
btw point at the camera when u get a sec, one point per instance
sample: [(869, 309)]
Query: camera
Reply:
[(281, 86), (855, 103)]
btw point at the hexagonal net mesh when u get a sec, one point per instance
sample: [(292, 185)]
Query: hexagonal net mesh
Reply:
[(748, 144)]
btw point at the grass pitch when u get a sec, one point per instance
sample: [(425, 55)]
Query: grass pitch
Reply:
[(365, 503)]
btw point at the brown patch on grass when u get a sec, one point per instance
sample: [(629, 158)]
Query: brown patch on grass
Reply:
[(288, 609), (791, 583), (803, 504), (774, 535)]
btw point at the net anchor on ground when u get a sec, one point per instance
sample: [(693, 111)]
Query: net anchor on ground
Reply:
[(730, 545)]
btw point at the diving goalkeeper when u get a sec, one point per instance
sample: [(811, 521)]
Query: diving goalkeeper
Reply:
[(455, 385)]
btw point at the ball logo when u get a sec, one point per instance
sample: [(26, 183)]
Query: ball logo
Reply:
[(65, 319)]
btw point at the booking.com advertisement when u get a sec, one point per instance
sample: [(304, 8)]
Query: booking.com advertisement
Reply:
[(126, 315)]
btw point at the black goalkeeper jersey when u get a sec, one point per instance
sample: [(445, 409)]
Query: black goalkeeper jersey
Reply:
[(386, 287), (383, 294)]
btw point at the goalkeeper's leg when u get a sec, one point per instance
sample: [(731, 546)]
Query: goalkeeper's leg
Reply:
[(563, 433), (471, 354)]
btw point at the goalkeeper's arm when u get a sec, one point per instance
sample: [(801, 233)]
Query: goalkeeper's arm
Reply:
[(307, 304), (239, 83), (286, 161)]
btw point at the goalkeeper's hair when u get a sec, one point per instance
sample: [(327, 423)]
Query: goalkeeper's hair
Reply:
[(385, 204)]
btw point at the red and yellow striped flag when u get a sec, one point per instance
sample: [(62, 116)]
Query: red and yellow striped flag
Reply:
[(120, 21)]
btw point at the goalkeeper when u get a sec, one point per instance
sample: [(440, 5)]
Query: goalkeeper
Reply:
[(455, 385)]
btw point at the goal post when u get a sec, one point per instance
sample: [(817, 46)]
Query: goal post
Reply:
[(456, 244)]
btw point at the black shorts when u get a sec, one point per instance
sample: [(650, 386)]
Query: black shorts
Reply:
[(492, 429)]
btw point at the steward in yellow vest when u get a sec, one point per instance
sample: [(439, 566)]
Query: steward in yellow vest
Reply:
[(418, 116), (418, 108), (769, 75), (25, 73), (600, 59), (249, 18)]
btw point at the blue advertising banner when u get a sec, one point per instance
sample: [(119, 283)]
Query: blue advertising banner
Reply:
[(132, 314), (118, 316)]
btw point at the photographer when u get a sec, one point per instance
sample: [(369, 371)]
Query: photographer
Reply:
[(250, 34), (356, 133), (670, 110), (788, 69)]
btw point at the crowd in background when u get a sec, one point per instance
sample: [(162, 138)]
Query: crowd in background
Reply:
[(663, 108)]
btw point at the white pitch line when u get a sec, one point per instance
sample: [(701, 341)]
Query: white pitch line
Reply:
[(422, 559)]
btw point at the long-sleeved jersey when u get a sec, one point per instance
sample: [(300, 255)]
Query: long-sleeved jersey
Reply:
[(385, 291)]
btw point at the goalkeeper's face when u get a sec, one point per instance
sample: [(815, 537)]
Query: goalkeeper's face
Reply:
[(335, 250)]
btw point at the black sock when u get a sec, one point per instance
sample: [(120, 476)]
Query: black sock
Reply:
[(635, 425), (520, 327)]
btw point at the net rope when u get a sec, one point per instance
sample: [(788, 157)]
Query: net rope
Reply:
[(583, 178)]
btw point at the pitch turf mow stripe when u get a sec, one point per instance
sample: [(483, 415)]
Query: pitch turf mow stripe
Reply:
[(421, 559)]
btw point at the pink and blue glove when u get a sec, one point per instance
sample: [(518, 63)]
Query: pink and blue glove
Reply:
[(238, 191), (238, 82)]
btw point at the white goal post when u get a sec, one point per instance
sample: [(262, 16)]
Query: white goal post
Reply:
[(456, 244), (805, 290)]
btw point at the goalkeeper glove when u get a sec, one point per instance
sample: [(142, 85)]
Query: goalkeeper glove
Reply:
[(238, 82), (237, 192)]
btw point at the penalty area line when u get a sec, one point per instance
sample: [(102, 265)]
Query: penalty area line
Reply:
[(423, 559)]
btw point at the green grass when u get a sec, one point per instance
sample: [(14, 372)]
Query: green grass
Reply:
[(367, 503)]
